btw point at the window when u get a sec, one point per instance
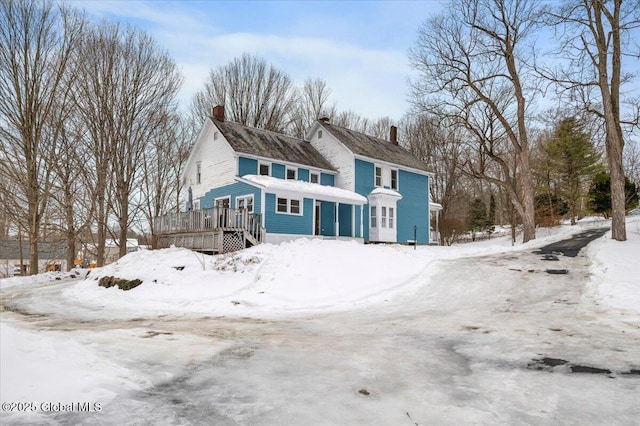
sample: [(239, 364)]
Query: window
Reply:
[(215, 136), (245, 203), (196, 204), (263, 169), (319, 134), (383, 219), (314, 177), (374, 219), (295, 207), (223, 202), (198, 172), (391, 217), (285, 205), (378, 176), (394, 179), (291, 174), (282, 205)]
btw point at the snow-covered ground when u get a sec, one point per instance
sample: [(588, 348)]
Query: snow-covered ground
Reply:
[(436, 335)]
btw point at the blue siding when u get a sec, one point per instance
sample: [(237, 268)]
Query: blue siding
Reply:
[(357, 224), (279, 223), (278, 171), (344, 215), (364, 185), (234, 190), (327, 179), (303, 174), (413, 209), (247, 166)]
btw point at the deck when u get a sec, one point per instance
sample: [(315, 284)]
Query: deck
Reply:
[(214, 230)]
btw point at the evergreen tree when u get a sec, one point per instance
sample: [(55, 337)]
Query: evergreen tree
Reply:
[(478, 221), (572, 161), (600, 194)]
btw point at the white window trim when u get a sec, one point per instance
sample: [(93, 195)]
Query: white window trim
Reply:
[(246, 197), (288, 212), (264, 163), (311, 173), (196, 204)]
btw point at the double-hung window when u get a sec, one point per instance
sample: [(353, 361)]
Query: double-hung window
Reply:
[(288, 206), (378, 175), (394, 179), (383, 219), (390, 217), (374, 219)]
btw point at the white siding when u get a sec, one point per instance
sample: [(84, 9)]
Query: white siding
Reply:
[(217, 159), (336, 154)]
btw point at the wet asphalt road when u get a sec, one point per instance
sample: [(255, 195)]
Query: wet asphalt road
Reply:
[(572, 246)]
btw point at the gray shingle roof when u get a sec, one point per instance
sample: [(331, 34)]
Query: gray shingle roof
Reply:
[(263, 143), (375, 148), (10, 249)]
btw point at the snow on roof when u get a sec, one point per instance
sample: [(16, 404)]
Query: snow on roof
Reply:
[(385, 191), (306, 189)]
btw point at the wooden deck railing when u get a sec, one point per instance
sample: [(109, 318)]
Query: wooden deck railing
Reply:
[(215, 218)]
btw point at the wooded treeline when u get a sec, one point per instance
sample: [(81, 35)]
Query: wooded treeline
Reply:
[(94, 143)]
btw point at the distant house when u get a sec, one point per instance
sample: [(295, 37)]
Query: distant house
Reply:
[(338, 184), (87, 257), (51, 257)]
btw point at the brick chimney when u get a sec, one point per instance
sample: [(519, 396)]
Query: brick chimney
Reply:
[(218, 112), (393, 135), (324, 119)]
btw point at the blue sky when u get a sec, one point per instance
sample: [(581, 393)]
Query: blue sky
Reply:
[(358, 47)]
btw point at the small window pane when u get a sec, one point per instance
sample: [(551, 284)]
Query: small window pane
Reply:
[(394, 179), (250, 204), (291, 174), (282, 205), (241, 202), (383, 220), (378, 176), (314, 178), (264, 170), (390, 217), (374, 220), (295, 206)]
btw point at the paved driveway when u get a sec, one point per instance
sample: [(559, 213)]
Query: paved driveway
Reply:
[(490, 340)]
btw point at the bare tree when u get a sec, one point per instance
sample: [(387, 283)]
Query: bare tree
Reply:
[(471, 63), (253, 93), (162, 166), (312, 104), (128, 84), (594, 37), (36, 39)]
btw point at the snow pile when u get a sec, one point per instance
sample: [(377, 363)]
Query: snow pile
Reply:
[(299, 275), (616, 268)]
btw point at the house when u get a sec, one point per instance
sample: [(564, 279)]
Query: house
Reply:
[(338, 184), (52, 256), (395, 182)]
